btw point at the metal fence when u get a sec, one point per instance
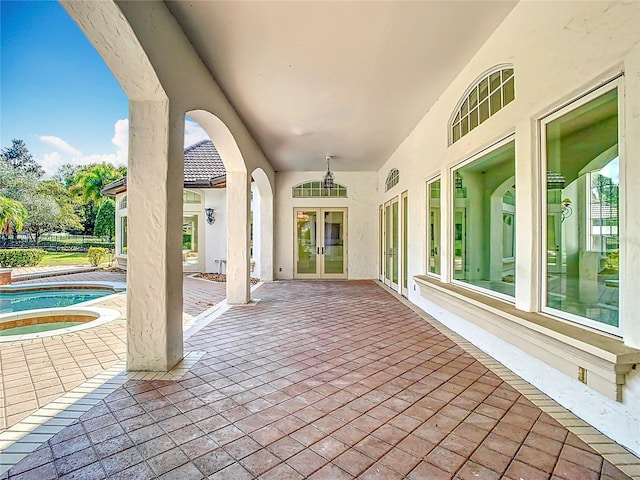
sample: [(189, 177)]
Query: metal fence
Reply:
[(57, 242)]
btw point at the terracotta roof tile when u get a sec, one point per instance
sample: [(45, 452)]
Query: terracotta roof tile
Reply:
[(202, 162)]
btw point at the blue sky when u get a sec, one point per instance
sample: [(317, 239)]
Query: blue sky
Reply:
[(56, 93)]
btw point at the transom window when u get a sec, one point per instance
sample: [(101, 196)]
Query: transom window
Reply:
[(190, 197), (495, 90), (123, 203), (316, 190), (392, 179)]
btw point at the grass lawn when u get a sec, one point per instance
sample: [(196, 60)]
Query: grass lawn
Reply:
[(64, 258)]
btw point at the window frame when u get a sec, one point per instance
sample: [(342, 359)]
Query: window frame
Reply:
[(312, 186), (576, 102), (451, 212), (457, 114), (428, 183), (186, 192), (124, 236), (393, 178)]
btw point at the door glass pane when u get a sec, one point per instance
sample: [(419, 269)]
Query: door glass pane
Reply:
[(334, 242), (434, 227), (583, 206), (405, 243), (190, 240), (396, 243), (307, 241), (484, 228), (388, 243), (380, 245)]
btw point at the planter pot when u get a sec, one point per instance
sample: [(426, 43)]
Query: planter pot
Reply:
[(5, 276)]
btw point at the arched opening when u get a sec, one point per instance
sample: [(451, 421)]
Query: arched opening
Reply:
[(237, 259), (262, 225)]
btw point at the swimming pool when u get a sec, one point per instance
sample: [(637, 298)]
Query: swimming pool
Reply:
[(32, 298)]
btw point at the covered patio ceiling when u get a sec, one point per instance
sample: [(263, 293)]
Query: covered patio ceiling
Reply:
[(347, 79)]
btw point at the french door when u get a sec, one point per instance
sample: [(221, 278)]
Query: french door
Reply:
[(321, 243), (394, 243), (391, 243)]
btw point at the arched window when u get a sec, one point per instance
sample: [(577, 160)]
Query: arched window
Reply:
[(492, 92), (316, 190), (392, 179), (190, 197), (123, 203)]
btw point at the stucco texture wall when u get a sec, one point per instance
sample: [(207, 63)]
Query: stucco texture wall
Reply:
[(362, 229)]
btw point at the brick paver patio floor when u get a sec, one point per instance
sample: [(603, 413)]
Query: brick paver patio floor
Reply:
[(35, 372), (321, 380)]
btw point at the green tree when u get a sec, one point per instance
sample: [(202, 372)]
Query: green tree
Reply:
[(18, 157), (12, 215), (66, 174), (43, 216), (70, 220), (89, 181), (16, 183), (106, 220)]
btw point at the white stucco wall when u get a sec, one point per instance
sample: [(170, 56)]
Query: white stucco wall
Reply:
[(362, 225), (215, 243), (560, 50), (212, 239)]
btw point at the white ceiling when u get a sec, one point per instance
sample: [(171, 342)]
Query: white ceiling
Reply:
[(347, 79)]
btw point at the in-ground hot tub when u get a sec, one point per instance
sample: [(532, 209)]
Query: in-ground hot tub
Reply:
[(21, 315)]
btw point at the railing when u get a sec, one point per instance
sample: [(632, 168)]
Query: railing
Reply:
[(57, 242)]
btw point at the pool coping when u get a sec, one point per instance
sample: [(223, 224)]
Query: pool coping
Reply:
[(103, 315), (117, 287)]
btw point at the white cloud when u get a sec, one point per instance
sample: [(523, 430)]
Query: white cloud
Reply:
[(65, 153), (60, 144), (193, 133), (121, 140), (51, 162)]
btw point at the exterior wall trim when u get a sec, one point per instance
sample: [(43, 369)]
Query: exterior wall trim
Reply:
[(562, 345)]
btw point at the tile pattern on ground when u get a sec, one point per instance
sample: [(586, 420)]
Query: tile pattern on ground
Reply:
[(319, 380), (36, 372)]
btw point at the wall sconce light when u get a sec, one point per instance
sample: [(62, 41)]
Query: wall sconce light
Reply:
[(457, 180), (566, 209), (327, 181), (210, 212)]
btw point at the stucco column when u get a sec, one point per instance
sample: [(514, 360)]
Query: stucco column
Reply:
[(266, 237), (154, 276), (238, 207)]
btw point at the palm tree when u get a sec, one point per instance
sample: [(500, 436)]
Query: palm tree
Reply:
[(12, 215), (90, 181)]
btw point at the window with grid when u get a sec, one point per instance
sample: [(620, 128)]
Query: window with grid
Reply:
[(190, 197), (316, 190), (392, 179), (484, 99), (123, 203)]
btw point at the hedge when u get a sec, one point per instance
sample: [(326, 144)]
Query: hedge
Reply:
[(21, 257)]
